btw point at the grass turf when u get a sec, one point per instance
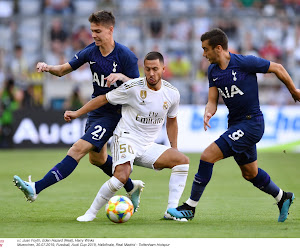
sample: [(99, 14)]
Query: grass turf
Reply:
[(229, 208)]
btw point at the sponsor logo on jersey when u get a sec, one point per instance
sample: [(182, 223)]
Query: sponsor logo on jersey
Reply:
[(92, 62), (234, 90), (215, 79), (151, 119)]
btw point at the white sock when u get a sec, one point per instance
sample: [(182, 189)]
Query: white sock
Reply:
[(279, 196), (107, 191), (177, 183), (192, 203)]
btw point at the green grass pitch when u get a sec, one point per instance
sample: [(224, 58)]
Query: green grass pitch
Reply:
[(229, 208)]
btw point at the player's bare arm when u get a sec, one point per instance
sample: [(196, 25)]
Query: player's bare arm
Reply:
[(57, 70), (95, 103), (211, 106), (172, 131), (284, 76), (114, 77)]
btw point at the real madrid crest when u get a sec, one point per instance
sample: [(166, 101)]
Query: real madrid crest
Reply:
[(143, 95), (165, 106)]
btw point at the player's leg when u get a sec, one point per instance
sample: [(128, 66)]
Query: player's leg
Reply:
[(210, 155), (104, 161), (123, 158), (261, 179), (108, 190), (60, 171), (160, 156)]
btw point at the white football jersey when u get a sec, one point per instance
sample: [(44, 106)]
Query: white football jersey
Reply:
[(144, 110)]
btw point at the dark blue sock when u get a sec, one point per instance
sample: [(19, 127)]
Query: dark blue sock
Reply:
[(263, 181), (57, 173), (201, 179), (107, 169)]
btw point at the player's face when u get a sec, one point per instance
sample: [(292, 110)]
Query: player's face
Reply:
[(153, 70), (101, 34), (209, 53)]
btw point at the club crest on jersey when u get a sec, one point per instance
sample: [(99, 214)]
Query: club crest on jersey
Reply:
[(234, 77), (165, 106), (115, 67)]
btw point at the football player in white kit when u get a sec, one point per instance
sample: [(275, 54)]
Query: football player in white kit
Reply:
[(146, 103)]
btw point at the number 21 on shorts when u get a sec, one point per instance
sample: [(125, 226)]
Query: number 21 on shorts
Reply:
[(98, 133)]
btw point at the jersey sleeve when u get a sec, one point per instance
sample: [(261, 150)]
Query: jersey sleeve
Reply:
[(130, 65), (209, 76), (118, 96), (254, 64), (79, 59), (173, 111)]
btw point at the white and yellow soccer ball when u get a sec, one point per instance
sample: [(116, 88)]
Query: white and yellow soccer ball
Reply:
[(119, 209)]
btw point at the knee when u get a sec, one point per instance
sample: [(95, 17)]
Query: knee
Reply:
[(77, 152), (99, 161), (185, 160)]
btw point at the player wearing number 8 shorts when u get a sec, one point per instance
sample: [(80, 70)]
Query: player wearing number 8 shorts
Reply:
[(233, 77)]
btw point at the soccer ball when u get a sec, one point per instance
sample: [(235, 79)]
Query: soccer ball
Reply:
[(119, 209)]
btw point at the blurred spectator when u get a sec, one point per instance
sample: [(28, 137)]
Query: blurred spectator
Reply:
[(9, 102), (19, 66), (81, 38), (109, 5), (58, 7), (270, 52), (2, 68), (33, 97), (151, 6), (57, 32), (75, 100), (180, 66)]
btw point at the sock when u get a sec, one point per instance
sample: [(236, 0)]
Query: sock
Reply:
[(57, 173), (177, 183), (263, 181), (107, 169), (200, 181), (107, 191)]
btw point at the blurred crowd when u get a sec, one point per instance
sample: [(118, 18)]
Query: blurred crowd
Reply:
[(54, 30)]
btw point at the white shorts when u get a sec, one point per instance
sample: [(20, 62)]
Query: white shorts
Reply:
[(125, 148)]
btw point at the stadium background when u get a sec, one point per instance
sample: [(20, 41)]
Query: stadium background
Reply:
[(54, 30)]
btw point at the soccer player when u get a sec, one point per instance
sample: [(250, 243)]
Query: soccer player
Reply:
[(111, 64), (234, 78), (146, 103)]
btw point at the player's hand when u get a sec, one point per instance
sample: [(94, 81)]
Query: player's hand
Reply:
[(70, 115), (114, 77), (42, 67), (207, 117), (296, 95)]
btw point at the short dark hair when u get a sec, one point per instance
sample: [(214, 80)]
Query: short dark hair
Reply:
[(216, 37), (153, 55), (103, 17)]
